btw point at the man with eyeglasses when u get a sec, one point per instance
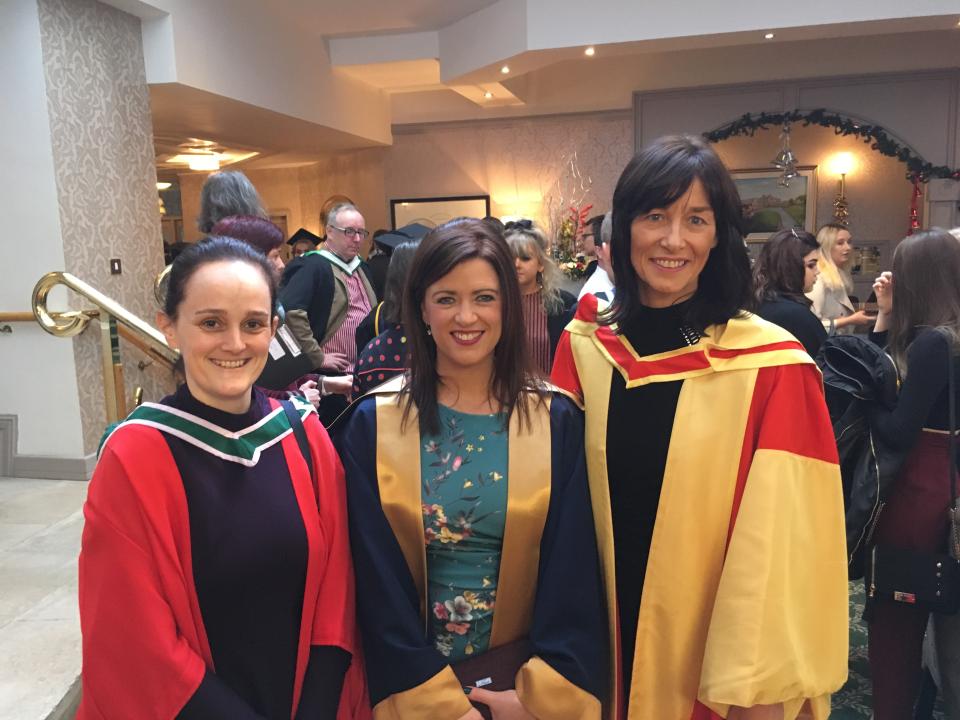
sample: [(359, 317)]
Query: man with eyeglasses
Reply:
[(327, 292)]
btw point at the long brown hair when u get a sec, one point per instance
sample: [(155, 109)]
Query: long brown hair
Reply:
[(926, 291), (443, 248)]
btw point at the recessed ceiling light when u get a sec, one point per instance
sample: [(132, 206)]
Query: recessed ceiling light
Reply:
[(768, 36), (505, 69), (590, 51), (487, 95), (206, 162)]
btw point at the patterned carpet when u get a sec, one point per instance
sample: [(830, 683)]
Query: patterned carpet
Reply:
[(853, 700)]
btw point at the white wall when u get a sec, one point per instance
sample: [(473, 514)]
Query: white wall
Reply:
[(38, 378)]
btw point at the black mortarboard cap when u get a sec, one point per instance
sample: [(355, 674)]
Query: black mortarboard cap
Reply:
[(389, 240), (304, 234)]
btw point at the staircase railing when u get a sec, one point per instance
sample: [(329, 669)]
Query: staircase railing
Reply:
[(115, 322)]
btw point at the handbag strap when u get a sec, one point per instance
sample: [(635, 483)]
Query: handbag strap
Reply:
[(300, 433), (952, 402)]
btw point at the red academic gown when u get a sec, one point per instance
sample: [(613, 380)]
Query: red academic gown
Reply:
[(145, 650)]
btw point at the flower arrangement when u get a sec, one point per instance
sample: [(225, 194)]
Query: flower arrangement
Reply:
[(567, 251), (567, 212)]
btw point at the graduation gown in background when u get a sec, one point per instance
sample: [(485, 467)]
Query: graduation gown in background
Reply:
[(745, 594), (146, 653), (549, 586)]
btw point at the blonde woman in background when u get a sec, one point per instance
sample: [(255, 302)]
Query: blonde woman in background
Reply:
[(546, 308), (830, 294)]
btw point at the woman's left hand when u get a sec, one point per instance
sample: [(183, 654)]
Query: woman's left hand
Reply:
[(504, 705), (310, 392)]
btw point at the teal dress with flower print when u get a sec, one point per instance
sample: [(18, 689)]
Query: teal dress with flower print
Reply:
[(464, 492)]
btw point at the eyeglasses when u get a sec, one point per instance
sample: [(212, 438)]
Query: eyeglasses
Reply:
[(353, 232)]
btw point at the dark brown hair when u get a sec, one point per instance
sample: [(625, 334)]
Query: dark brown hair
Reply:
[(779, 270), (657, 177), (926, 292), (443, 248)]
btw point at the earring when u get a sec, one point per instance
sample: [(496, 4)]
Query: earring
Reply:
[(428, 330)]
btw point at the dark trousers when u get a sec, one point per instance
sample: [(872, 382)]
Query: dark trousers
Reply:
[(915, 518)]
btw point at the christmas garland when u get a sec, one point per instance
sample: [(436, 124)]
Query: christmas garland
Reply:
[(876, 136)]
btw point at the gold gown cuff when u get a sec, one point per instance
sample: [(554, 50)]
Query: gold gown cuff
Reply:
[(439, 698), (547, 694)]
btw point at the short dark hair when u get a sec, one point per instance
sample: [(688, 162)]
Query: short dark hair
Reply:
[(226, 193), (657, 177), (443, 248), (211, 250), (779, 269), (594, 224), (256, 231), (400, 260)]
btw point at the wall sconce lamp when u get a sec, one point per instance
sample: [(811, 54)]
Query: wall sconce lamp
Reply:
[(841, 164)]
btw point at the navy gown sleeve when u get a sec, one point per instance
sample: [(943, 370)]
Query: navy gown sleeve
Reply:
[(398, 655), (569, 630)]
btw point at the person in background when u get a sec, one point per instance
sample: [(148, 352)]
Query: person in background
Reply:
[(378, 260), (600, 283), (226, 193), (713, 469), (215, 568), (302, 241), (384, 244), (546, 307), (786, 269), (919, 323), (327, 293), (285, 356), (384, 355), (591, 233), (830, 293), (469, 511)]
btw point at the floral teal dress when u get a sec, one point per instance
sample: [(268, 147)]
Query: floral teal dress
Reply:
[(464, 492)]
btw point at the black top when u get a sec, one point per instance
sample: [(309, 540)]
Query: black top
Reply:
[(797, 319), (377, 266), (249, 554), (558, 320), (639, 427), (923, 399)]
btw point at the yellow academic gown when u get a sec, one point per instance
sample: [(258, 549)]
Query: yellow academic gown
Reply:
[(745, 594)]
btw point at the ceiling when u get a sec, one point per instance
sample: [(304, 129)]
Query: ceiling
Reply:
[(547, 81)]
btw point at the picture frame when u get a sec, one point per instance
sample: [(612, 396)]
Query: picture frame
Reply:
[(435, 211), (769, 206)]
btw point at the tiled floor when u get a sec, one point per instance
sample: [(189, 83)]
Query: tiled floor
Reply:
[(40, 524)]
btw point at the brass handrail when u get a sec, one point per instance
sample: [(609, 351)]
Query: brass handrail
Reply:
[(115, 320)]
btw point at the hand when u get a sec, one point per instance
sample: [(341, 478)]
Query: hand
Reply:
[(474, 714), (338, 384), (503, 705), (310, 392), (858, 318), (757, 712), (883, 287), (336, 361)]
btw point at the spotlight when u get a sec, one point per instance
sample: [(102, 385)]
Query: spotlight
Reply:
[(590, 51), (505, 69), (768, 36)]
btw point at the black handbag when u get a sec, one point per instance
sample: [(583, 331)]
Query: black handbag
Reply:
[(927, 580)]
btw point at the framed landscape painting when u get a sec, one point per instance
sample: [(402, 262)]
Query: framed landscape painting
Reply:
[(436, 211), (768, 206)]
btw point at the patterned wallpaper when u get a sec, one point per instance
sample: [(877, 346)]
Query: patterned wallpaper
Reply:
[(102, 139), (516, 162)]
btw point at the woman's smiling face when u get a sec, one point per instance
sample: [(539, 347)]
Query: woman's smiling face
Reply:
[(669, 247), (223, 329), (464, 312)]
